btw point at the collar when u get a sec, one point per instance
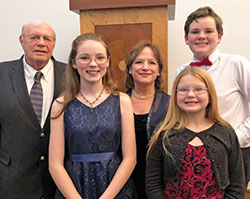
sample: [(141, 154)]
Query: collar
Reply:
[(30, 71), (213, 57)]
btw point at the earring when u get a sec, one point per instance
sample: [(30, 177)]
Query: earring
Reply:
[(74, 67)]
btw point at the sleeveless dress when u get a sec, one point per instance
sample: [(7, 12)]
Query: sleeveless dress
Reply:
[(138, 174), (197, 179), (93, 148)]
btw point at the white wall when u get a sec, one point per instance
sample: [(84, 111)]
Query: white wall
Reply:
[(236, 24), (15, 13)]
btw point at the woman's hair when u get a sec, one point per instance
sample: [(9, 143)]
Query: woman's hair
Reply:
[(204, 12), (177, 118), (133, 53), (72, 77)]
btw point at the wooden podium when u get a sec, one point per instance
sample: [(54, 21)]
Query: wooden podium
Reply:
[(248, 192), (125, 22)]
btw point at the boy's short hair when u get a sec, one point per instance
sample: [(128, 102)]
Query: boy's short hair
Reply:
[(204, 12)]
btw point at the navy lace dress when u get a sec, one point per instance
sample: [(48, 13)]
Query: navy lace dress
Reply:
[(93, 148)]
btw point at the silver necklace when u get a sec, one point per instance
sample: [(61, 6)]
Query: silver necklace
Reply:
[(92, 103), (136, 95)]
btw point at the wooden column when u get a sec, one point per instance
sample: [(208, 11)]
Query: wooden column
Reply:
[(125, 22)]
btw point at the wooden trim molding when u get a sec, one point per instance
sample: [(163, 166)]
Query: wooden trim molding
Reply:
[(76, 5), (125, 22)]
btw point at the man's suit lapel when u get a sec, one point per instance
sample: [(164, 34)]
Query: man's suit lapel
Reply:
[(59, 76), (58, 86), (19, 84)]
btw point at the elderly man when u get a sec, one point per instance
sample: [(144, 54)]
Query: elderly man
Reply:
[(28, 86)]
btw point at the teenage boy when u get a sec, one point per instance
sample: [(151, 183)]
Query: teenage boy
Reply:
[(231, 73)]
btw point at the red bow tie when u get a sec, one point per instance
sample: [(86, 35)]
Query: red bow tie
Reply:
[(205, 62)]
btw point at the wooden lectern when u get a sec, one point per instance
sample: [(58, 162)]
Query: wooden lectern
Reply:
[(125, 22), (248, 192)]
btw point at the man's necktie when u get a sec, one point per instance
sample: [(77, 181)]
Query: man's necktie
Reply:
[(205, 62), (36, 95)]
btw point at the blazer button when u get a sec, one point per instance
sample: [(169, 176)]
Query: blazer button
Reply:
[(42, 158), (42, 134)]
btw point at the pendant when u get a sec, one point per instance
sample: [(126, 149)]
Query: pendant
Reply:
[(91, 108), (91, 103)]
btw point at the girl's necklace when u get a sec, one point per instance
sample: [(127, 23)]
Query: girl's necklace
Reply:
[(92, 103), (136, 95)]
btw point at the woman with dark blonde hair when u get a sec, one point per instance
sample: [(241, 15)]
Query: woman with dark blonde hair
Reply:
[(195, 153), (92, 150), (144, 82)]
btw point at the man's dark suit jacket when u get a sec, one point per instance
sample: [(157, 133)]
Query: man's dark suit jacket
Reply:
[(23, 144)]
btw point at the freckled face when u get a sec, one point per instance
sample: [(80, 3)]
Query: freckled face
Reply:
[(145, 68), (192, 103), (203, 37)]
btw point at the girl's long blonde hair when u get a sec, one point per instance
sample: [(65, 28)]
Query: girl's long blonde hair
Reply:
[(177, 118)]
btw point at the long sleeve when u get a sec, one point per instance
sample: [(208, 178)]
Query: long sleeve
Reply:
[(154, 172), (236, 188), (242, 76)]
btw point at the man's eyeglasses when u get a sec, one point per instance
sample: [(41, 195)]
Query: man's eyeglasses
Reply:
[(196, 90), (37, 38), (85, 60)]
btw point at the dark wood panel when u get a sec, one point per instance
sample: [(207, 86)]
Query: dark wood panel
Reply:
[(248, 193), (108, 4), (121, 38)]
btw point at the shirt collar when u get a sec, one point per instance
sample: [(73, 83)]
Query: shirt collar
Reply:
[(30, 71), (213, 57)]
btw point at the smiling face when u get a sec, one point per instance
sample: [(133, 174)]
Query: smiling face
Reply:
[(38, 42), (145, 68), (203, 37), (91, 61), (191, 102)]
